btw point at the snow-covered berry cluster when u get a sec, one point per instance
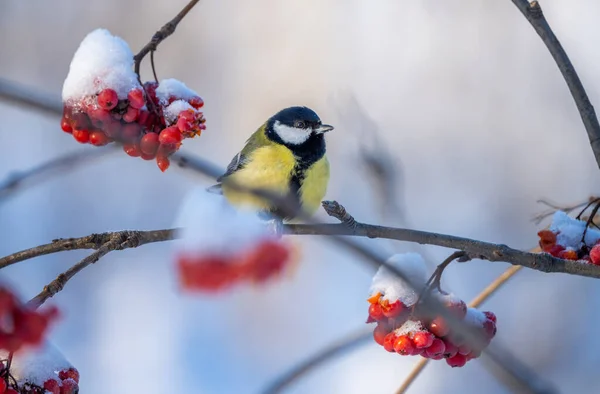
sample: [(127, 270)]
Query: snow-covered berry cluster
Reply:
[(20, 325), (105, 102), (221, 246), (41, 371), (565, 239), (402, 329)]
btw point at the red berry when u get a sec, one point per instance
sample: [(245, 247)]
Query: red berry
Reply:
[(595, 254), (380, 332), (450, 348), (82, 136), (490, 328), (136, 98), (149, 143), (376, 312), (437, 348), (69, 386), (52, 386), (554, 250), (184, 125), (11, 391), (70, 373), (131, 115), (132, 150), (3, 385), (439, 327), (547, 239), (163, 162), (65, 125), (457, 361), (143, 117), (108, 99), (474, 354), (569, 254), (113, 129), (196, 102), (393, 309), (80, 121), (131, 132), (389, 341), (170, 136), (490, 315), (422, 339), (146, 156), (404, 346), (98, 138)]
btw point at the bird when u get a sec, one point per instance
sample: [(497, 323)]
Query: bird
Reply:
[(285, 156)]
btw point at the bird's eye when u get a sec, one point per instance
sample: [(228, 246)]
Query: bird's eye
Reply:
[(300, 125)]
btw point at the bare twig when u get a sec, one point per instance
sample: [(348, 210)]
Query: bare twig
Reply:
[(534, 15), (153, 66), (161, 35), (130, 239), (553, 207), (436, 278), (59, 283)]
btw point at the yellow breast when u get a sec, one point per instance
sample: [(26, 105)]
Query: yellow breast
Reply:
[(269, 167), (314, 186)]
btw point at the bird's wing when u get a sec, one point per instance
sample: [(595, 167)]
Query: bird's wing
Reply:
[(236, 164)]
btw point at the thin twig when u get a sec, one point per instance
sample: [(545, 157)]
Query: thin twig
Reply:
[(161, 35), (59, 283), (153, 66), (534, 15)]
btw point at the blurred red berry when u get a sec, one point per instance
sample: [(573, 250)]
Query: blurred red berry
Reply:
[(380, 332), (3, 385), (422, 339), (170, 136), (108, 99), (69, 386), (149, 143), (98, 138), (376, 312), (10, 390), (136, 98), (490, 315), (404, 346), (437, 348), (489, 328), (81, 136), (439, 327), (458, 308), (131, 132), (70, 373), (131, 115), (450, 348), (555, 250), (389, 341), (51, 385), (392, 309), (547, 239), (595, 254), (569, 254), (65, 125), (196, 102), (132, 150), (457, 360)]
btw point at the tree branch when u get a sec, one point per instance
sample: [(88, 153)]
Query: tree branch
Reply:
[(534, 15), (14, 93), (161, 35)]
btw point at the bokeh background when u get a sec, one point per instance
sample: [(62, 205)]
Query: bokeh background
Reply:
[(475, 118)]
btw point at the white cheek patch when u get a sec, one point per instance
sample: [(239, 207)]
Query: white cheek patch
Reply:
[(291, 135)]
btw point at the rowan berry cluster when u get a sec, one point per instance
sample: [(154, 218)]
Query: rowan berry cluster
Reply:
[(402, 328), (571, 239), (104, 102)]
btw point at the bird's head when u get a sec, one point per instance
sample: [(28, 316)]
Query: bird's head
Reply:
[(295, 125)]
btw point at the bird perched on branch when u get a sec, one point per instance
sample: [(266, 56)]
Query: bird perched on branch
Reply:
[(286, 156)]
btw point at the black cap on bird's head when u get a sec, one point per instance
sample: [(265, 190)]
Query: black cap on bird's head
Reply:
[(296, 126)]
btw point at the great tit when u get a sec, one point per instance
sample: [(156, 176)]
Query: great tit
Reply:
[(286, 155)]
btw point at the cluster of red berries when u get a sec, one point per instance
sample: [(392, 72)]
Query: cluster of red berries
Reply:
[(20, 325), (67, 382), (400, 330), (216, 272), (148, 127), (548, 244)]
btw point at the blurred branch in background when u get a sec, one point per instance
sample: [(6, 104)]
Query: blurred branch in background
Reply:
[(14, 93), (302, 369), (534, 15)]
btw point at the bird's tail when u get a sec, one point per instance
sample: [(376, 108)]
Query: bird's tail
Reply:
[(216, 189)]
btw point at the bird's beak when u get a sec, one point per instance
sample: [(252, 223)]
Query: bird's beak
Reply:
[(324, 128)]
